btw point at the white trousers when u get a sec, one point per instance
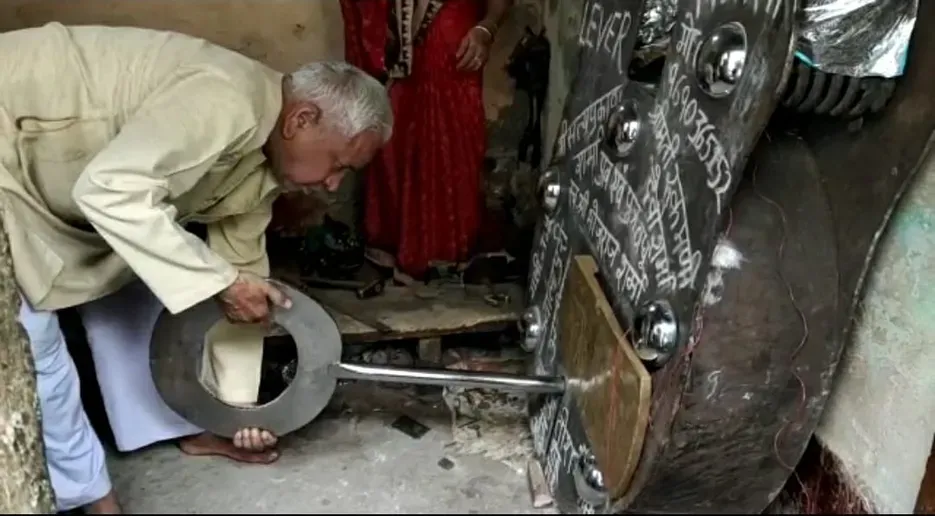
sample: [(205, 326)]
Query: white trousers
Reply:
[(77, 467), (119, 328)]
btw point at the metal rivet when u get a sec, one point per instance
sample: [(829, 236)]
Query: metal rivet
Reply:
[(549, 191), (721, 59), (657, 332), (531, 326), (589, 481), (622, 128)]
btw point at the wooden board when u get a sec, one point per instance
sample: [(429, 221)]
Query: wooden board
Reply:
[(456, 309), (605, 377)]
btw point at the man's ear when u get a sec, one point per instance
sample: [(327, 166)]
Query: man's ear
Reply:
[(301, 116)]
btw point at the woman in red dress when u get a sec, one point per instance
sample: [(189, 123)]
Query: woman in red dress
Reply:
[(422, 196)]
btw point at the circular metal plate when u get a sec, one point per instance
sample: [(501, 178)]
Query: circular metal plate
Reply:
[(176, 358)]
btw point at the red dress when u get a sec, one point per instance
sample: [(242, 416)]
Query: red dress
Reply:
[(423, 193)]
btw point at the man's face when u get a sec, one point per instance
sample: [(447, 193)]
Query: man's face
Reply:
[(307, 152)]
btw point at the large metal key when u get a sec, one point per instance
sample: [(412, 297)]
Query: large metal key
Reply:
[(177, 351)]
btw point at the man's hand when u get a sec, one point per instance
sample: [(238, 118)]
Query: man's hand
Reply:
[(248, 299)]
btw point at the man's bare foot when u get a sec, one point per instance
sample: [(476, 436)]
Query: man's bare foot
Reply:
[(254, 439), (250, 445), (106, 505)]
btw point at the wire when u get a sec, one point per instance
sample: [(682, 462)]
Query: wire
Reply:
[(803, 391)]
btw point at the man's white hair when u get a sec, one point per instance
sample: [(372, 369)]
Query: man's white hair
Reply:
[(349, 98)]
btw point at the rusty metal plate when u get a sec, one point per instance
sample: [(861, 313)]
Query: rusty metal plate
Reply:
[(642, 180), (612, 387)]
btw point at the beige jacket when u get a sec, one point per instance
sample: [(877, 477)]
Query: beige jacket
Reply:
[(110, 138)]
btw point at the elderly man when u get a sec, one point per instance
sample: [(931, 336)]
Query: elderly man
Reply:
[(110, 140)]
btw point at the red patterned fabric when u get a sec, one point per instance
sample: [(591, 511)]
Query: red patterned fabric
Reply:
[(365, 27), (423, 193)]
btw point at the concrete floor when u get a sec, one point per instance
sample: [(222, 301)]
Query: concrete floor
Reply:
[(349, 460)]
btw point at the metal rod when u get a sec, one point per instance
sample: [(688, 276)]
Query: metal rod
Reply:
[(448, 378)]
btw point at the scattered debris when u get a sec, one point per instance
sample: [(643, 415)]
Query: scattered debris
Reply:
[(410, 427), (489, 423), (430, 350), (387, 356), (497, 300), (482, 404), (510, 444), (486, 423), (538, 487)]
